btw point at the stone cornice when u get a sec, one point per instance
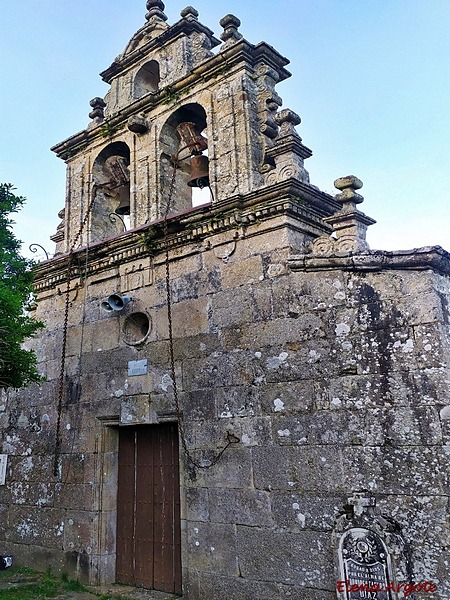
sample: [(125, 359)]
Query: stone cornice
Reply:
[(306, 195), (418, 259), (289, 143), (303, 204), (269, 55)]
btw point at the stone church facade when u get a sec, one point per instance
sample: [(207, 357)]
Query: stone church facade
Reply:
[(242, 400)]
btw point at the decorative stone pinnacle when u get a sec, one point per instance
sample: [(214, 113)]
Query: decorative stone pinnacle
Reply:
[(155, 9), (189, 11), (98, 104), (348, 185), (349, 224), (230, 24), (287, 119)]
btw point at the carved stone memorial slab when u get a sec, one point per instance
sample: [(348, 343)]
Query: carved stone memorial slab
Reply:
[(365, 566)]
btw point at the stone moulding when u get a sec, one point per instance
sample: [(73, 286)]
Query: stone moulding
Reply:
[(304, 205), (429, 257), (286, 144)]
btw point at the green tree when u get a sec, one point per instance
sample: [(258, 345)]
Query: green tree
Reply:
[(17, 365)]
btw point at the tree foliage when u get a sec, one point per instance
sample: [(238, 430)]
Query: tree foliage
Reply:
[(17, 365)]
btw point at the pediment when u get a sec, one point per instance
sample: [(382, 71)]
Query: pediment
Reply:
[(147, 33)]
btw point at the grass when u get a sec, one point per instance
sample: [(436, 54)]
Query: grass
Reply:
[(27, 584)]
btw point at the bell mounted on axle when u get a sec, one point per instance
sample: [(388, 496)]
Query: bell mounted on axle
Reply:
[(195, 143), (199, 171), (119, 182), (124, 206)]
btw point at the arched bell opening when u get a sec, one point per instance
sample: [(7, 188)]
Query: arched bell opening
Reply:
[(147, 79), (185, 154), (111, 188)]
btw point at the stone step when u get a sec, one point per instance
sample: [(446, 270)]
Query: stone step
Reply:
[(18, 581), (77, 596), (131, 593)]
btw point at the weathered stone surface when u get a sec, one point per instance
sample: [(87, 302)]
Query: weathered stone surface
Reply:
[(199, 405), (297, 468), (243, 507), (297, 397), (378, 468), (190, 318), (213, 547), (210, 587), (79, 528), (234, 470), (219, 369), (244, 272), (302, 380), (224, 309), (292, 559), (296, 511), (196, 504), (80, 495), (43, 528)]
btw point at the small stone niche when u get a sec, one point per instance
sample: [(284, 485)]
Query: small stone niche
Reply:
[(147, 79)]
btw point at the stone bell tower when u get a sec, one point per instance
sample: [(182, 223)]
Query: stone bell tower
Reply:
[(242, 400), (169, 81)]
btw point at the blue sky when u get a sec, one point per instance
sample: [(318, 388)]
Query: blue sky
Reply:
[(371, 81)]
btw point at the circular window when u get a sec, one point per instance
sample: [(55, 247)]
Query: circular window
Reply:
[(136, 328)]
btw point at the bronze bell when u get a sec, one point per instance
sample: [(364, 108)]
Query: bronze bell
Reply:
[(124, 206), (199, 171), (123, 209)]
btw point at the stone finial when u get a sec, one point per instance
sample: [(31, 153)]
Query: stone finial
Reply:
[(349, 224), (285, 157), (59, 236), (287, 119), (348, 196), (155, 9), (230, 24), (98, 105), (189, 11)]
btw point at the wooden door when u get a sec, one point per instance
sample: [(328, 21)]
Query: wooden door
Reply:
[(148, 508)]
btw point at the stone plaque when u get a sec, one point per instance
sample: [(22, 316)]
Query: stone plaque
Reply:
[(3, 463), (365, 567), (137, 367)]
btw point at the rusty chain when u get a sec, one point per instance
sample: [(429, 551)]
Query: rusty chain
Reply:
[(58, 440), (231, 439)]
